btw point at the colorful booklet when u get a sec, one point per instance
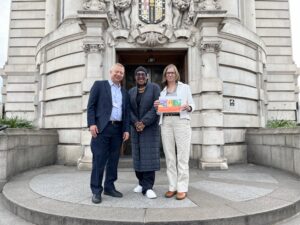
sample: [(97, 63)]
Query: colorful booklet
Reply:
[(169, 104)]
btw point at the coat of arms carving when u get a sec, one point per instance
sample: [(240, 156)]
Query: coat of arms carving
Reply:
[(152, 11)]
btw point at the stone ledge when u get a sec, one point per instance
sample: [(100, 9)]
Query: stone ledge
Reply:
[(25, 149)]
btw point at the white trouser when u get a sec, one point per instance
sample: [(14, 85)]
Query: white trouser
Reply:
[(177, 131)]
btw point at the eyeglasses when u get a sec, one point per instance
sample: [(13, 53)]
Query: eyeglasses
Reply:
[(170, 73), (140, 74)]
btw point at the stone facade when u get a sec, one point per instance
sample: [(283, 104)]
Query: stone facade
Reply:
[(238, 64)]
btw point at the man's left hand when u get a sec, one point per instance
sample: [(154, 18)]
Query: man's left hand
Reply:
[(125, 136)]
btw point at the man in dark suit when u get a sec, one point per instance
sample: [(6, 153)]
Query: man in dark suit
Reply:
[(108, 120)]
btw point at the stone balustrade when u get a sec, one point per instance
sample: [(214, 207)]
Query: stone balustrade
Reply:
[(277, 148), (25, 149)]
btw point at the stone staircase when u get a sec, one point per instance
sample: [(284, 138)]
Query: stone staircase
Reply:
[(242, 195)]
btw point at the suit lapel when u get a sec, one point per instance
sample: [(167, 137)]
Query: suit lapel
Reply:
[(108, 91)]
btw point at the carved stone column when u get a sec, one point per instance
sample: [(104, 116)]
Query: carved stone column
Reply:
[(52, 15), (94, 23), (211, 99)]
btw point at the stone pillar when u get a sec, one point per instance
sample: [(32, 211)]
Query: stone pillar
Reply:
[(71, 7), (52, 15), (232, 7), (261, 86), (40, 93), (95, 23), (211, 98), (248, 14)]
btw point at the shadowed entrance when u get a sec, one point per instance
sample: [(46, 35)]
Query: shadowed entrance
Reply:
[(155, 62)]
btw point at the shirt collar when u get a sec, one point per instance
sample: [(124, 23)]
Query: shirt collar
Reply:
[(113, 84)]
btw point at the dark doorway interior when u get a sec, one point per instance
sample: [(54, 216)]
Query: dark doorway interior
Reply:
[(155, 62)]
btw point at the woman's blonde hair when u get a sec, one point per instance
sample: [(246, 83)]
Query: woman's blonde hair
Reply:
[(177, 75)]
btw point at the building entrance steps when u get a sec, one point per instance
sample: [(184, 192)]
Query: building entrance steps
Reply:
[(241, 195)]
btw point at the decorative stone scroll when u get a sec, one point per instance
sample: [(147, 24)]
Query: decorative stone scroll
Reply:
[(94, 47), (152, 39), (94, 5), (152, 35), (211, 47), (206, 5)]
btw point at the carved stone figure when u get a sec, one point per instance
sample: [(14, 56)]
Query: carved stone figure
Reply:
[(114, 21), (123, 11), (94, 5), (183, 12)]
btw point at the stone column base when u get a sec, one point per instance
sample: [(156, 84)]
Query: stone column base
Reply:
[(214, 165), (84, 163)]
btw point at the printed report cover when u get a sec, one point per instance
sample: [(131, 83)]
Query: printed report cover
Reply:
[(169, 104)]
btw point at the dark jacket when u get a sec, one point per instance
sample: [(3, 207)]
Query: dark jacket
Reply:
[(145, 144), (100, 106)]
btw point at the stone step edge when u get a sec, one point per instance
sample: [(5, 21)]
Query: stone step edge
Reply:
[(39, 217)]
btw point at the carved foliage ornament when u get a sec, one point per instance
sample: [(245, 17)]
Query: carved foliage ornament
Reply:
[(211, 47), (209, 5), (94, 47), (96, 5)]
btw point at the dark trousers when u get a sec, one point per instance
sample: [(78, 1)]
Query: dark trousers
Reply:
[(106, 152), (146, 179)]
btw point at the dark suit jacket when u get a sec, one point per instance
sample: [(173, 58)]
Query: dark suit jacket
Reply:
[(100, 106)]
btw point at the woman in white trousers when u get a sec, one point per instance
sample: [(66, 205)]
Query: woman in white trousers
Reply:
[(176, 133)]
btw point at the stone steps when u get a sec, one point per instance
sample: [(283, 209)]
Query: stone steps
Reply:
[(243, 195), (294, 220), (8, 218)]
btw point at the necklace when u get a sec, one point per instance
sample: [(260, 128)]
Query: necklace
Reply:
[(141, 89)]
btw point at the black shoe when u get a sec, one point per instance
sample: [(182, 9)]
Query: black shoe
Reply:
[(114, 193), (96, 198)]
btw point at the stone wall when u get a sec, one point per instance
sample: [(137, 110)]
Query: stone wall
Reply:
[(241, 60), (25, 149), (274, 27), (27, 22), (278, 148)]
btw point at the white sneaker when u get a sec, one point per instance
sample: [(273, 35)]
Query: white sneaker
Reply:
[(151, 194), (138, 189)]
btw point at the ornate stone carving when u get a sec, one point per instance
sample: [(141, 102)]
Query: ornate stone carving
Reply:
[(152, 39), (211, 47), (94, 47), (209, 5), (95, 5), (123, 11), (113, 19), (183, 13)]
